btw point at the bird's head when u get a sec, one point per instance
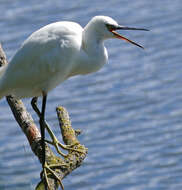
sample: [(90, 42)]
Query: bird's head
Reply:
[(106, 27)]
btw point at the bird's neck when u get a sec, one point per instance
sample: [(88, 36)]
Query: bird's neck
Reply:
[(93, 56), (92, 42)]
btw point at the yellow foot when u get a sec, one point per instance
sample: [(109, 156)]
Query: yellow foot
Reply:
[(48, 171), (57, 144)]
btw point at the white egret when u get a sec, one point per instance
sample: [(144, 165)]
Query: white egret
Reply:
[(54, 53)]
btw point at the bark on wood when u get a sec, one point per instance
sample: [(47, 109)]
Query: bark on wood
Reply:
[(65, 165)]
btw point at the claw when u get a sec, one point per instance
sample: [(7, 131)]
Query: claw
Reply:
[(46, 167), (55, 144), (46, 172)]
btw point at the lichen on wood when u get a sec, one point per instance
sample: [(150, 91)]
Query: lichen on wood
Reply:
[(62, 166)]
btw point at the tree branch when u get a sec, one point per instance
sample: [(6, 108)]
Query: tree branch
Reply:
[(60, 166)]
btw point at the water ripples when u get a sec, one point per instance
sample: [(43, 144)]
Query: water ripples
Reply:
[(130, 111)]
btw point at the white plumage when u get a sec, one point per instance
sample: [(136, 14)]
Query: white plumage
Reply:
[(48, 57), (56, 52)]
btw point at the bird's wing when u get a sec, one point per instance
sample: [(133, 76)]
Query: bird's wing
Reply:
[(46, 52)]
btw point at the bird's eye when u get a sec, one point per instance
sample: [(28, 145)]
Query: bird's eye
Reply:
[(110, 27)]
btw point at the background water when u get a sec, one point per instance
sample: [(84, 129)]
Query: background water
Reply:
[(130, 111)]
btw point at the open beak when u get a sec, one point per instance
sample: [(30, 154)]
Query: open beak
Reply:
[(116, 35)]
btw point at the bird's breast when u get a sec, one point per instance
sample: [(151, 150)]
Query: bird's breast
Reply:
[(86, 64)]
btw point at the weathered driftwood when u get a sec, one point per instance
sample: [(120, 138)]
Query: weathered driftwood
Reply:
[(59, 165)]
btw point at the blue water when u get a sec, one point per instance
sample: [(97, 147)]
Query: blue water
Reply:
[(130, 111)]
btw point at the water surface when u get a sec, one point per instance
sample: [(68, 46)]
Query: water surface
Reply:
[(130, 111)]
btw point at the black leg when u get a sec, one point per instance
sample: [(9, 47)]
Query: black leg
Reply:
[(34, 106), (42, 128), (42, 122)]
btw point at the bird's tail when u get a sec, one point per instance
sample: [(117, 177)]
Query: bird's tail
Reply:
[(2, 71)]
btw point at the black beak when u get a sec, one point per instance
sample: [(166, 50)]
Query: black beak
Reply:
[(130, 28), (126, 39)]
